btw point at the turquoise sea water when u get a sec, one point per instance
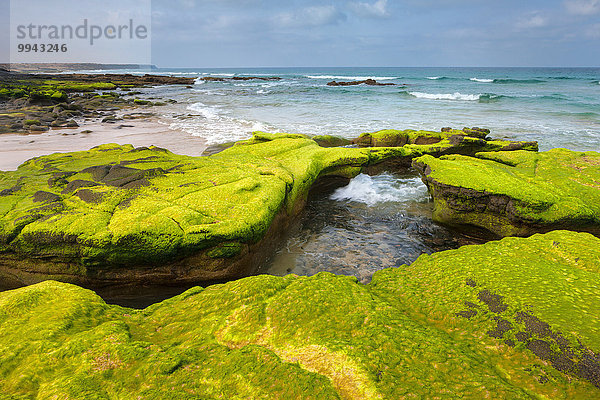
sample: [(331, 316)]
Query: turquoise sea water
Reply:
[(559, 107)]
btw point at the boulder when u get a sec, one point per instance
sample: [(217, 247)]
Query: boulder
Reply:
[(331, 141), (511, 319), (369, 82), (516, 193)]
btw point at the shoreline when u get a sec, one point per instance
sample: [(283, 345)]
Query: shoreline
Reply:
[(16, 148)]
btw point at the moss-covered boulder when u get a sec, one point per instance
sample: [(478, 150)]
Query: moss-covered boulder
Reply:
[(516, 193), (515, 319), (331, 141), (118, 213)]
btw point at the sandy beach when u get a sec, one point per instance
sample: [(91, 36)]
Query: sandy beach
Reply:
[(18, 148)]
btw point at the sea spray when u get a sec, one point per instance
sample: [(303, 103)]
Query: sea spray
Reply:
[(372, 190)]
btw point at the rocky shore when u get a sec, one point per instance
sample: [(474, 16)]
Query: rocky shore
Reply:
[(38, 102), (470, 322), (509, 319), (119, 214)]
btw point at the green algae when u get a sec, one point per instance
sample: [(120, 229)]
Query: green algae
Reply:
[(74, 86), (331, 141), (117, 207), (326, 336), (544, 290), (516, 193), (39, 90)]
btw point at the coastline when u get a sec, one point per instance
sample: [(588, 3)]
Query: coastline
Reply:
[(132, 222), (16, 148)]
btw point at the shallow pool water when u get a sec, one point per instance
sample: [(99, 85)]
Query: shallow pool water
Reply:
[(374, 222)]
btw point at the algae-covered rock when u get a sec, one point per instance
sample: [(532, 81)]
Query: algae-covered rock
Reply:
[(405, 335), (475, 137), (516, 193), (331, 141), (539, 295), (118, 213)]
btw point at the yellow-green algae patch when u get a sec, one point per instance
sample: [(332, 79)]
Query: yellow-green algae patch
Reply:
[(516, 193), (405, 335), (117, 212)]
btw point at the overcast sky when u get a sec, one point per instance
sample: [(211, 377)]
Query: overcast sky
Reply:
[(239, 33), (259, 33)]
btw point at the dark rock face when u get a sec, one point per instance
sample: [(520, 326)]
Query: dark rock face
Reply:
[(477, 132), (369, 82), (45, 197), (77, 184)]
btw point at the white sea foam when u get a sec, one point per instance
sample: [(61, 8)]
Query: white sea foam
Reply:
[(434, 78), (383, 188), (216, 125), (208, 112), (352, 78), (482, 80), (446, 96)]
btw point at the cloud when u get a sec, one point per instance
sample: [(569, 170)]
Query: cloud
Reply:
[(532, 21), (310, 16), (583, 7), (593, 31), (371, 10)]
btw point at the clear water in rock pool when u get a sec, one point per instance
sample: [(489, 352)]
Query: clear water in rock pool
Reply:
[(372, 223)]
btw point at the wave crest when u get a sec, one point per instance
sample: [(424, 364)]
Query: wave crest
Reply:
[(445, 96), (482, 80)]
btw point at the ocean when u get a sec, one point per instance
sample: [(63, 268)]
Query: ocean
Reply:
[(558, 107)]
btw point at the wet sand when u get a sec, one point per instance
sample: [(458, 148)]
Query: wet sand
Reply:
[(18, 148)]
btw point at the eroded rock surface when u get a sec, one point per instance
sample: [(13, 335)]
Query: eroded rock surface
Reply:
[(124, 214), (516, 193), (532, 332)]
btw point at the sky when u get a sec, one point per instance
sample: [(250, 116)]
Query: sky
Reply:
[(335, 33), (246, 33)]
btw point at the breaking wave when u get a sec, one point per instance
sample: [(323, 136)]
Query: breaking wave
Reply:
[(372, 190)]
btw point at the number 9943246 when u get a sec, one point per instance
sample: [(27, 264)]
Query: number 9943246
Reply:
[(42, 48)]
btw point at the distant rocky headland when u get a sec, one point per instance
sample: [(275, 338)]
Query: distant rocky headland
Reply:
[(63, 67)]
